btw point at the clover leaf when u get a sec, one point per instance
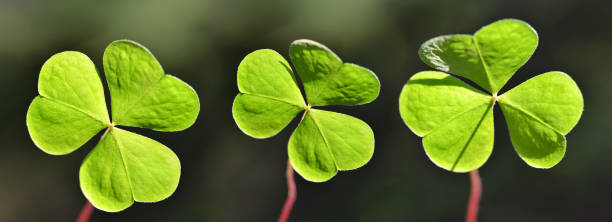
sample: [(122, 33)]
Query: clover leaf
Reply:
[(123, 167), (324, 142), (456, 120)]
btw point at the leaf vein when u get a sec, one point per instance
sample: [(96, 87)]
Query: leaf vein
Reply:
[(125, 166), (454, 117), (140, 98), (273, 98), (531, 115), (484, 65), (469, 141), (325, 141), (74, 108)]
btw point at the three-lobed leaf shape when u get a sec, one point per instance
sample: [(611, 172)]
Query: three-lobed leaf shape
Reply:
[(324, 142), (123, 167), (456, 120)]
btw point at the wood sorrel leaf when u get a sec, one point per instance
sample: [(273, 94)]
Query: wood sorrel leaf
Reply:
[(125, 167), (71, 107), (261, 117), (456, 120), (142, 95), (465, 142), (329, 81), (539, 113), (489, 58), (430, 99), (269, 96), (326, 142)]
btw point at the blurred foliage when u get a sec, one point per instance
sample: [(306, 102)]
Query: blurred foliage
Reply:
[(228, 176)]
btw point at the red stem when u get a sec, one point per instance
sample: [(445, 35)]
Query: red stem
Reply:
[(475, 193), (291, 194), (85, 212)]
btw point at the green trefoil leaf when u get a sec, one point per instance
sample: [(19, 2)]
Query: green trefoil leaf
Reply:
[(456, 120), (324, 142), (123, 167)]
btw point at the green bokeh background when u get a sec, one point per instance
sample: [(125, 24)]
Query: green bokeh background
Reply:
[(228, 176)]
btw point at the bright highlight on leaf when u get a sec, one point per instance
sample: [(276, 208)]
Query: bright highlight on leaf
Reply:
[(123, 167), (324, 142), (456, 120)]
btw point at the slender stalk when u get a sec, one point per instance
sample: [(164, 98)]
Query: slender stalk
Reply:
[(85, 212), (291, 194), (475, 193)]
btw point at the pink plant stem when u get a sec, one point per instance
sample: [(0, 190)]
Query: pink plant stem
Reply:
[(85, 212), (291, 194), (475, 193)]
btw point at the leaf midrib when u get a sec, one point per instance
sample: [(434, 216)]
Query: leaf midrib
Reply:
[(74, 108), (275, 99), (455, 117), (484, 65), (530, 115), (144, 93), (332, 74), (471, 138), (127, 173), (324, 140)]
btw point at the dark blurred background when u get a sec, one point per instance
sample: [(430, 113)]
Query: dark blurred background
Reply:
[(228, 176)]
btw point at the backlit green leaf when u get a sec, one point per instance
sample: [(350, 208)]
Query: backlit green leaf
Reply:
[(463, 143), (539, 112), (430, 99), (326, 142), (59, 129), (537, 143), (71, 107), (261, 117), (269, 98), (489, 58), (142, 95), (552, 97), (456, 120), (455, 54), (266, 73), (71, 78), (329, 81), (125, 167)]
